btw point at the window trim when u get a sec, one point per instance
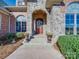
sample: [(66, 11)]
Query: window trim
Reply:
[(0, 22), (21, 23)]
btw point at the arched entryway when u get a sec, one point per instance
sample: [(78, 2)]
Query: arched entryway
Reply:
[(21, 23), (39, 19)]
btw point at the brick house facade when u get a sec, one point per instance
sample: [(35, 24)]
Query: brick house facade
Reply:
[(7, 22)]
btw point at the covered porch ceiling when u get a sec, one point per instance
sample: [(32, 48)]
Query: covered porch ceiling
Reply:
[(50, 3), (17, 8), (25, 2)]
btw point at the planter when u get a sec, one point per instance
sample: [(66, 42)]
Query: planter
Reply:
[(27, 37), (49, 37)]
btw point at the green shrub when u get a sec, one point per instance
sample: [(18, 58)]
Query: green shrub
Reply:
[(7, 38), (69, 46), (3, 39), (11, 36), (20, 35)]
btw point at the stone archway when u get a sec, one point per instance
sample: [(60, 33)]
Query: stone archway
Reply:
[(39, 19)]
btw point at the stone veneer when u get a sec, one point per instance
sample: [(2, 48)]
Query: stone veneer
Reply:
[(57, 21), (31, 7)]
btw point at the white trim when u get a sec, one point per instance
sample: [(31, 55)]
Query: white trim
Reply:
[(21, 26), (75, 31), (5, 11), (0, 22), (14, 6), (21, 23), (9, 23), (15, 24), (72, 12)]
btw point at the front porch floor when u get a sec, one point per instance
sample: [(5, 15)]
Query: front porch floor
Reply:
[(34, 50)]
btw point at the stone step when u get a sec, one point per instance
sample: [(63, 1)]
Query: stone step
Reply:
[(38, 44), (39, 36), (38, 40)]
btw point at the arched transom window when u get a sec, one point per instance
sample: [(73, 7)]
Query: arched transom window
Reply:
[(21, 24), (72, 18)]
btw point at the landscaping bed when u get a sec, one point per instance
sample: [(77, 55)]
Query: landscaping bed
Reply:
[(69, 46), (7, 46), (6, 50)]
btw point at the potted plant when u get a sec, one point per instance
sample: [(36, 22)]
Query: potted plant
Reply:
[(27, 37), (20, 35), (49, 37)]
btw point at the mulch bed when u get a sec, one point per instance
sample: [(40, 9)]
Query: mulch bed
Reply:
[(6, 50)]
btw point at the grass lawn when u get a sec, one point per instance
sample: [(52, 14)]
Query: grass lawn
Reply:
[(6, 50), (69, 46)]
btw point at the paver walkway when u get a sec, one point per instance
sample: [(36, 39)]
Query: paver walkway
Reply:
[(36, 49)]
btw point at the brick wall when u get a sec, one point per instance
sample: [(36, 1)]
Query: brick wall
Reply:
[(4, 24)]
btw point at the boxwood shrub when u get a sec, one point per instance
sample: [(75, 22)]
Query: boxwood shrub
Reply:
[(11, 37), (7, 38), (69, 46), (20, 35)]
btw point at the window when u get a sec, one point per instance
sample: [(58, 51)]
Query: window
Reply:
[(0, 21), (77, 20), (21, 2), (21, 24), (72, 18), (69, 23), (18, 26)]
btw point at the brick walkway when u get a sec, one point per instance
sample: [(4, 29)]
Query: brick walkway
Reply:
[(34, 50)]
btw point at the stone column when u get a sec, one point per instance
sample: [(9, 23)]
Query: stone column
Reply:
[(57, 22), (29, 19), (48, 23), (29, 24)]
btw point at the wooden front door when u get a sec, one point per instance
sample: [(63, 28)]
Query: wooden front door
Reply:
[(39, 26)]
